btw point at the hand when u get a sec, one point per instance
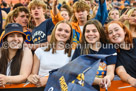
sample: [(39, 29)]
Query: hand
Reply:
[(33, 79), (42, 82), (124, 16), (55, 2), (132, 81), (105, 80), (3, 79), (102, 1)]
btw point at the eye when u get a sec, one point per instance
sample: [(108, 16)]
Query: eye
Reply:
[(110, 32), (39, 7), (59, 29), (66, 31), (132, 15), (33, 8), (19, 35), (94, 30), (87, 31), (116, 30), (11, 35), (27, 16), (22, 16)]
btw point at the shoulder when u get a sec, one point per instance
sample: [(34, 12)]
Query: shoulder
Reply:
[(27, 51), (40, 50)]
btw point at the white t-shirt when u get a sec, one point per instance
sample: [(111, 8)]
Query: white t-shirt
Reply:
[(81, 28), (49, 61), (8, 72)]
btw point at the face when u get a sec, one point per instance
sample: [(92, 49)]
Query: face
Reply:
[(81, 16), (15, 40), (88, 2), (114, 15), (37, 12), (116, 33), (63, 32), (65, 15), (22, 19), (92, 35), (132, 18)]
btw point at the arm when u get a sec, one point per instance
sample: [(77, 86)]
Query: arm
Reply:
[(107, 79), (25, 70), (102, 12), (34, 77), (4, 16), (125, 76), (55, 14)]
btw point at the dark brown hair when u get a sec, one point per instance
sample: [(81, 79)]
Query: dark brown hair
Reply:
[(16, 60), (84, 44)]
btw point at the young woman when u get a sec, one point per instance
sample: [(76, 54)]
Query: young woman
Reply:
[(94, 42), (121, 36), (57, 54), (114, 14), (15, 61), (131, 21)]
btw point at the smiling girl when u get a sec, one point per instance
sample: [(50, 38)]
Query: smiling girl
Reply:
[(94, 42), (15, 62), (120, 35), (54, 56)]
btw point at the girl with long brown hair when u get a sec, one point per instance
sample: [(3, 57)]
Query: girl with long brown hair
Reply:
[(94, 41), (15, 61)]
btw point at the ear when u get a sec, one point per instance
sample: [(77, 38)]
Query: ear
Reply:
[(14, 19), (44, 11)]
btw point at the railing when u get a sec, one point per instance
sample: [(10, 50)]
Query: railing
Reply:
[(115, 86)]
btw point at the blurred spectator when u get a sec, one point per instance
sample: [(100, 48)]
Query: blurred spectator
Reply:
[(4, 7), (17, 5)]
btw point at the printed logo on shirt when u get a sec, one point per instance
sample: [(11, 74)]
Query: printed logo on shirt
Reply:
[(76, 37), (101, 72), (39, 36)]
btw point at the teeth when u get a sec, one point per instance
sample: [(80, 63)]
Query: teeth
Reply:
[(116, 37)]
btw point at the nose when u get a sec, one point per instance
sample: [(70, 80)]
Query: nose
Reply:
[(91, 33), (16, 37), (113, 33)]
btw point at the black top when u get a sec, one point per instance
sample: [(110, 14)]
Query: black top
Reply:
[(105, 49), (127, 58)]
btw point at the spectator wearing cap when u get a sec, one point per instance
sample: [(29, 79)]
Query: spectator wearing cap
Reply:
[(15, 61)]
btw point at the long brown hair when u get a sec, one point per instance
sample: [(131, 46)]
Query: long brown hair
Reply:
[(53, 40), (16, 60), (128, 36), (84, 44)]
